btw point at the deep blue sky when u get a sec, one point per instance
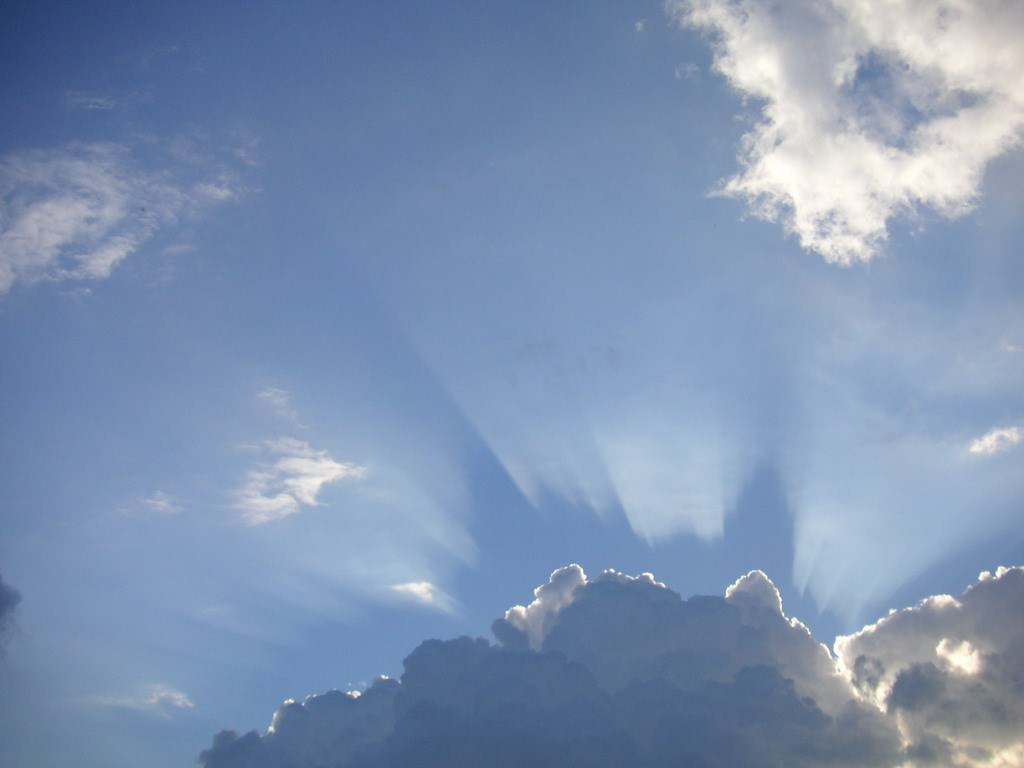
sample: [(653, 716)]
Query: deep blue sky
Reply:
[(410, 304)]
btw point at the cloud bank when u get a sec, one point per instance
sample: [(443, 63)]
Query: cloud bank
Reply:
[(869, 109), (620, 670), (77, 211)]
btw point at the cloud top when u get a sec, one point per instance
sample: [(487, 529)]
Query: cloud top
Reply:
[(869, 109), (620, 670)]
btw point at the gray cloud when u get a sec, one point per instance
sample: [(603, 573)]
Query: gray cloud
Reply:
[(614, 671), (621, 671), (9, 599)]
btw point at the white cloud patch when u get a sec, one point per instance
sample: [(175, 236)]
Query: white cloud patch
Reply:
[(548, 599), (995, 441), (869, 108), (157, 698), (77, 211), (292, 478), (425, 593)]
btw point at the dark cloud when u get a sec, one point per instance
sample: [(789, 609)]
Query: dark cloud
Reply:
[(621, 671), (9, 599)]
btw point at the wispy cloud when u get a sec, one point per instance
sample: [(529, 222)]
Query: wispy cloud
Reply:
[(102, 101), (996, 441), (77, 211), (868, 109), (292, 478), (425, 593), (279, 401), (157, 698), (161, 503)]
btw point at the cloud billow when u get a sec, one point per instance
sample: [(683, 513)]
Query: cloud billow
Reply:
[(621, 671)]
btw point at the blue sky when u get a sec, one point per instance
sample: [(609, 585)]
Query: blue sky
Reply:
[(328, 329)]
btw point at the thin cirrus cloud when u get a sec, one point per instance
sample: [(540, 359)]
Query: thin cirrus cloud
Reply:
[(290, 479), (869, 109), (158, 698), (161, 503), (995, 441), (75, 212), (620, 670)]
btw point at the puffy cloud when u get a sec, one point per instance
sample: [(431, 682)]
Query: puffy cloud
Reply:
[(618, 670), (995, 441), (293, 477), (532, 621), (77, 211), (869, 108), (950, 671), (9, 599), (328, 729)]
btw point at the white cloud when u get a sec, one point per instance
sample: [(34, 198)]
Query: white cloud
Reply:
[(548, 599), (425, 593), (157, 698), (870, 108), (161, 503), (995, 441), (292, 478), (639, 25), (77, 211)]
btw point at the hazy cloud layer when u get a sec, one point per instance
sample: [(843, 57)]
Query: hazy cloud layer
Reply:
[(292, 477), (868, 110), (77, 211), (158, 699)]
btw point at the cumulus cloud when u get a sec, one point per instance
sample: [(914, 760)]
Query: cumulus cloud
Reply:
[(620, 670), (868, 109), (995, 441), (292, 478), (425, 593), (77, 211), (617, 670), (950, 672)]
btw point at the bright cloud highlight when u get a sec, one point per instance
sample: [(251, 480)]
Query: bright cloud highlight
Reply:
[(995, 441), (869, 110), (293, 478)]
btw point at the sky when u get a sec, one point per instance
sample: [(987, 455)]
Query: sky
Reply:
[(330, 329)]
